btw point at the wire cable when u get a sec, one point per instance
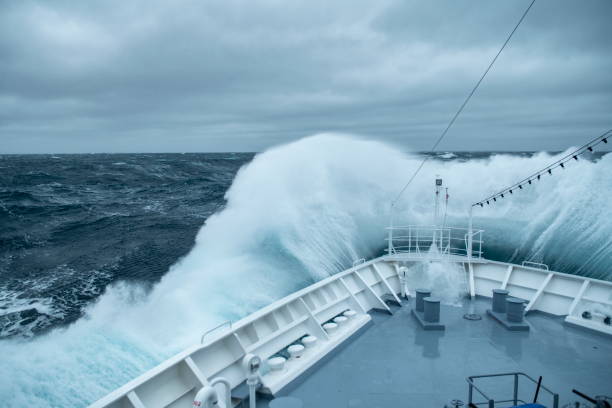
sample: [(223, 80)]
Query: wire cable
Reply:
[(465, 102), (603, 138)]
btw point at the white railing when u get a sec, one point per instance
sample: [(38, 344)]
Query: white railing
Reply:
[(227, 324), (443, 241), (585, 302), (358, 261), (535, 265), (266, 333)]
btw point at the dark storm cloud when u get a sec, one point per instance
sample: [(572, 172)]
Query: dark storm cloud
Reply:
[(238, 75)]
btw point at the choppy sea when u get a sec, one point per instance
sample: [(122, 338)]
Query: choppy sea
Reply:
[(110, 263)]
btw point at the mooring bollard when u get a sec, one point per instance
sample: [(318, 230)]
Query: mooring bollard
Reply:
[(420, 295), (514, 309), (499, 300), (432, 309)]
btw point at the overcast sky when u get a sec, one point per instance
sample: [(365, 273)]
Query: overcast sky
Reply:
[(206, 75)]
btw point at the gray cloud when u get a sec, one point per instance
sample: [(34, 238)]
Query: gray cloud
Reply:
[(241, 76)]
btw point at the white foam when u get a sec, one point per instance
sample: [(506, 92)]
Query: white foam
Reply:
[(296, 214)]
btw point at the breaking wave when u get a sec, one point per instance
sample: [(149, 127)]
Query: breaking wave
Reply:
[(295, 214)]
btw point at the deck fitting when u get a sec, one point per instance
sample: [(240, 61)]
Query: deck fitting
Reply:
[(512, 326), (427, 310), (419, 316), (507, 310)]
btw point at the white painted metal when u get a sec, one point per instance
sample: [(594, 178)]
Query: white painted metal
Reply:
[(264, 333), (401, 272), (389, 289), (507, 277), (535, 265), (214, 329), (539, 292), (470, 236), (448, 241), (358, 261), (208, 396), (314, 325), (437, 201), (551, 292), (175, 382), (589, 324), (471, 280), (578, 297), (359, 307), (196, 371), (251, 364), (369, 289), (134, 400)]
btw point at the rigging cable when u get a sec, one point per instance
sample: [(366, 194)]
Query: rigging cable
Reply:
[(603, 138), (465, 102)]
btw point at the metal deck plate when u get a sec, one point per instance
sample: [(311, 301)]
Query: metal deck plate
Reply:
[(395, 363)]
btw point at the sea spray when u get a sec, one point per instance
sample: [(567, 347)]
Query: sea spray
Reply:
[(296, 214)]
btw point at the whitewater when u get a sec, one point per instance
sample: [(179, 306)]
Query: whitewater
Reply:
[(294, 215)]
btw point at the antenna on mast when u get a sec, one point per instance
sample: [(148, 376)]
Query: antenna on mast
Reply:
[(445, 207), (437, 205)]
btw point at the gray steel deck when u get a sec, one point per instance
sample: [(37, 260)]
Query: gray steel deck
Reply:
[(394, 363)]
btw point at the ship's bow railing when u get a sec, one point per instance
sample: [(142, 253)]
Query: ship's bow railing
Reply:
[(434, 241), (537, 265), (492, 403)]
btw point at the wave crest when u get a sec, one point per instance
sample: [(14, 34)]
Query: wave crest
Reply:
[(296, 214)]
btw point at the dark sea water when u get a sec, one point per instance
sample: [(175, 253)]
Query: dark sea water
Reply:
[(72, 224), (110, 264)]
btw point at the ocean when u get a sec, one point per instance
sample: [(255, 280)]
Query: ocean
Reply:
[(110, 263), (73, 224)]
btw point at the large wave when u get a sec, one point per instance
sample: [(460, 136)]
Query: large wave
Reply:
[(296, 214)]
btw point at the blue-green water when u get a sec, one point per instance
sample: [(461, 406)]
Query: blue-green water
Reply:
[(111, 263)]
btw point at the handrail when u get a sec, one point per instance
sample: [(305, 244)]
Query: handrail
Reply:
[(418, 239), (428, 227), (535, 265), (421, 239), (515, 400), (225, 323), (358, 261)]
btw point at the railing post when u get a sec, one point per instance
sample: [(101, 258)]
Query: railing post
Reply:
[(470, 393), (515, 389), (491, 403), (433, 237), (409, 239), (390, 236), (470, 237), (555, 400)]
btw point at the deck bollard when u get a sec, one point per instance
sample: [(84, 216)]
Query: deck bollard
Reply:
[(432, 309), (514, 309), (508, 311), (420, 295), (499, 300)]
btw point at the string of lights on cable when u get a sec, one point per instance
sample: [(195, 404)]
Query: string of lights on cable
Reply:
[(559, 164)]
